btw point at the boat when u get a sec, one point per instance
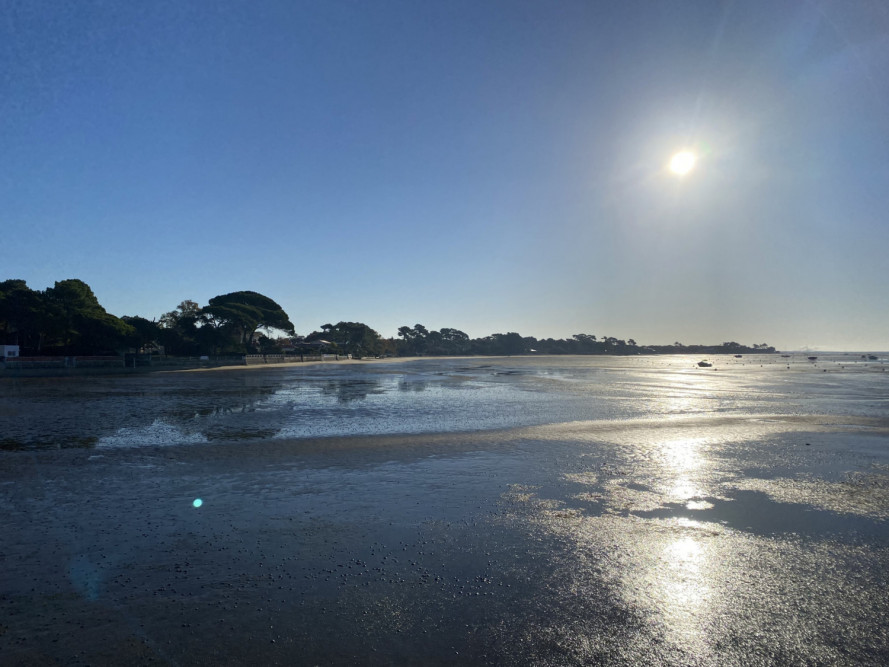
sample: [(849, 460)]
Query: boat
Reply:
[(704, 364), (811, 358)]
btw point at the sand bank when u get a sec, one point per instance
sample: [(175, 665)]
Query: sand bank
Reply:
[(327, 362)]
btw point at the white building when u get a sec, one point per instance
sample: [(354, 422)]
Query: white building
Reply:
[(9, 351)]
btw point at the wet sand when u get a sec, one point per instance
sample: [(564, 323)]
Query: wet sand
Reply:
[(649, 512), (699, 541)]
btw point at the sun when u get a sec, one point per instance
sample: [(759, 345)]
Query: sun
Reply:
[(682, 163)]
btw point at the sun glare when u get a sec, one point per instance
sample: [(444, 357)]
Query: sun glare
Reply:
[(682, 163)]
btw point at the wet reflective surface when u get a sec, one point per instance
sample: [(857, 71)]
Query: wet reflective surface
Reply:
[(516, 511), (424, 396)]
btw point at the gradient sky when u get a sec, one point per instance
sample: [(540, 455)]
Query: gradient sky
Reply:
[(490, 166)]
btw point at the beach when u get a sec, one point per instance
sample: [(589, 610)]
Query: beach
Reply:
[(474, 511)]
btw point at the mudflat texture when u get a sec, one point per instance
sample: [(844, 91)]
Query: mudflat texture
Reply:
[(544, 511)]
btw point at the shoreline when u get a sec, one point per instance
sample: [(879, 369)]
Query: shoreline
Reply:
[(300, 364), (835, 360), (150, 370)]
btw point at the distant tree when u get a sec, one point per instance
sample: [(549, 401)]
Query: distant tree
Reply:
[(549, 346), (584, 344), (178, 330), (355, 338), (79, 323), (23, 315), (270, 345), (409, 344), (146, 332), (454, 341), (245, 312), (389, 346), (419, 340), (447, 341), (187, 310), (508, 343), (434, 343), (612, 344)]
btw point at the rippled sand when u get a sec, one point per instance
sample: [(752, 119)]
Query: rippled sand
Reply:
[(700, 537)]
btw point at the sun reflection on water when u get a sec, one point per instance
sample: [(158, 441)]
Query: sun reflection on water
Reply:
[(683, 466), (684, 589), (685, 554), (682, 454)]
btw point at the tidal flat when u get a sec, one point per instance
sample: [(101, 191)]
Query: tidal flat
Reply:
[(509, 511)]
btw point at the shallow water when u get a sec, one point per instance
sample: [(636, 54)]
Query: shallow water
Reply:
[(514, 511), (426, 396)]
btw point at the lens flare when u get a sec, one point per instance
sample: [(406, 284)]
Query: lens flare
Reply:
[(198, 502)]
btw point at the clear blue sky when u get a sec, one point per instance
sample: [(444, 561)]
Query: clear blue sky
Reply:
[(489, 166)]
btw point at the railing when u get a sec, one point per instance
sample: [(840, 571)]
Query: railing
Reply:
[(64, 362), (132, 361)]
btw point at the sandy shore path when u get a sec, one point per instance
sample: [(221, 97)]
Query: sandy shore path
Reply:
[(709, 541)]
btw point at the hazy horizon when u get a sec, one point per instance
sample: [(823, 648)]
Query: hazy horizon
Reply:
[(491, 167)]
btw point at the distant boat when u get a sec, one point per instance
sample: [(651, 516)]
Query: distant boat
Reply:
[(738, 356), (704, 364), (872, 357), (811, 358)]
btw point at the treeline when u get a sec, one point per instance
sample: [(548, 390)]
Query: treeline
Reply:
[(67, 319), (63, 319), (418, 340)]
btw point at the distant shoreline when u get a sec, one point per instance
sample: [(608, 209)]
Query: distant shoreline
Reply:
[(300, 364), (24, 373)]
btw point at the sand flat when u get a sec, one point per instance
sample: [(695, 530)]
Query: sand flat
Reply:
[(707, 538)]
